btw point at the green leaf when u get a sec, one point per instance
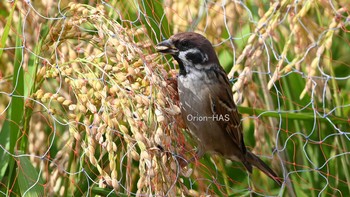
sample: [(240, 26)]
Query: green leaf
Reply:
[(29, 180), (12, 124), (5, 143), (226, 60), (7, 29), (155, 20), (290, 115)]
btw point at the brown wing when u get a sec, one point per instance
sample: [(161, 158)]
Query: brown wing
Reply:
[(222, 105)]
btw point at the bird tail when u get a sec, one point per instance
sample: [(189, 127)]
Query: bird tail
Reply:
[(257, 162)]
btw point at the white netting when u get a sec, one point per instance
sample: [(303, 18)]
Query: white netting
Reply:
[(87, 107)]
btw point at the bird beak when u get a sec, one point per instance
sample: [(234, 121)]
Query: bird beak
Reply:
[(167, 47)]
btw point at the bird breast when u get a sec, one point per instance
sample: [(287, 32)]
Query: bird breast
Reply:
[(194, 90)]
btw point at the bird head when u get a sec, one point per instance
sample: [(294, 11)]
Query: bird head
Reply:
[(189, 49)]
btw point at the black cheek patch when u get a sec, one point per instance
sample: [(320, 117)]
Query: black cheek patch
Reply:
[(195, 58)]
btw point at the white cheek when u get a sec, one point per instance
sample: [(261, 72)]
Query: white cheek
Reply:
[(182, 56), (205, 58)]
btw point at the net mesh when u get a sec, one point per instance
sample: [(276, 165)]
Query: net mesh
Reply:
[(89, 108)]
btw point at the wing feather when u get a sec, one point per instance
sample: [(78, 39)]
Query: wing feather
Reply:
[(222, 105)]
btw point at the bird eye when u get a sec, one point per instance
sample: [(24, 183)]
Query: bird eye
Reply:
[(184, 45)]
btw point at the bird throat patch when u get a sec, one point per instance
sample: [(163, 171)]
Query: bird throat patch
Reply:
[(195, 58)]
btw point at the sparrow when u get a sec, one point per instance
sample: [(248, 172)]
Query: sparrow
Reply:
[(206, 101)]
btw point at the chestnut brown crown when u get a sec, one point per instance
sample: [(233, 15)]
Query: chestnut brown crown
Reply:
[(189, 49)]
